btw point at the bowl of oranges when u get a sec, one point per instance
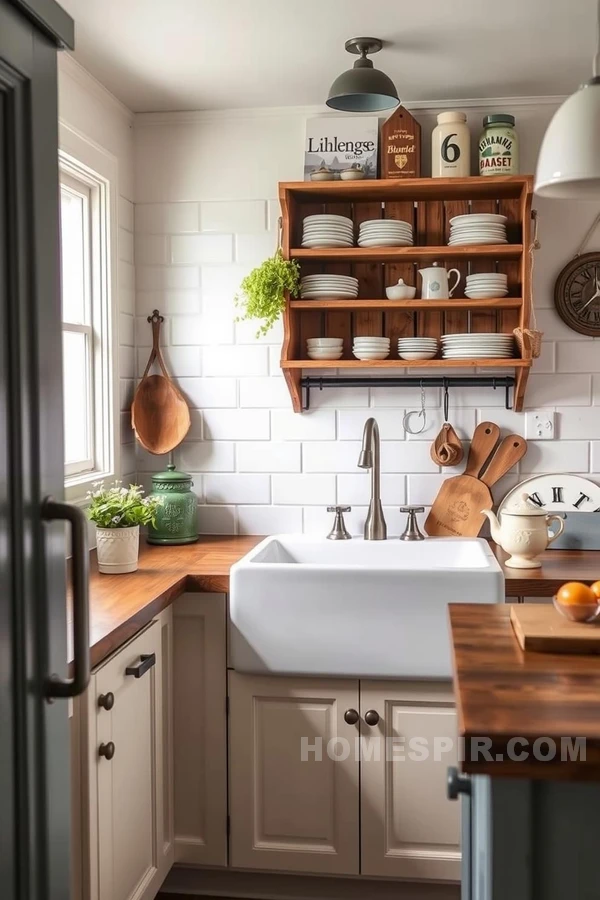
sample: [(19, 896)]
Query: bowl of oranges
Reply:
[(579, 602)]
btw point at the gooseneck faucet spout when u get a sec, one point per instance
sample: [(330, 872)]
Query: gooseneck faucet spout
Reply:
[(375, 527)]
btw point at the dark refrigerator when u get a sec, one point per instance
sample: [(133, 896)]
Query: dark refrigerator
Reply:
[(35, 682)]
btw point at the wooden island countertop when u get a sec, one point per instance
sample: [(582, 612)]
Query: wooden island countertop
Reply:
[(504, 693), (122, 604)]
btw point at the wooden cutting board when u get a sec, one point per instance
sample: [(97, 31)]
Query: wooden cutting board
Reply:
[(542, 628)]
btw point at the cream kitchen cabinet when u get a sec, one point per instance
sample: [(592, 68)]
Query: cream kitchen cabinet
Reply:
[(409, 829), (389, 749), (286, 813), (127, 844)]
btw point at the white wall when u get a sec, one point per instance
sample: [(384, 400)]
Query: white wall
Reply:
[(205, 189), (88, 110)]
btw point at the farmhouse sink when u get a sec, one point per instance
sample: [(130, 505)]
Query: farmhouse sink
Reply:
[(301, 605)]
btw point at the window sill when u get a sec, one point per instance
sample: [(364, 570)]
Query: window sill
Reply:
[(77, 486)]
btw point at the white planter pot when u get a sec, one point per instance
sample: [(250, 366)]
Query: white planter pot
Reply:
[(118, 549)]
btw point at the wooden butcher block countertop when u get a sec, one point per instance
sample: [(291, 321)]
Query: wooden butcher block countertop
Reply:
[(122, 604), (504, 693)]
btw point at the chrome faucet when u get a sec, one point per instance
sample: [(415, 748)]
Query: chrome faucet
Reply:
[(375, 527)]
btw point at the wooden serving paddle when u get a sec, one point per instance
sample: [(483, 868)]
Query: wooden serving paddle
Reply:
[(456, 511), (509, 452), (159, 414)]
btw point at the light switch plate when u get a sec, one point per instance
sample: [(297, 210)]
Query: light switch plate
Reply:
[(539, 425)]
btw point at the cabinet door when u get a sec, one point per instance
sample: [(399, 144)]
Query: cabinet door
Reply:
[(200, 729), (289, 812), (409, 828), (130, 800)]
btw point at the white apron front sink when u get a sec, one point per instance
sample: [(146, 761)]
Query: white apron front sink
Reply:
[(301, 605)]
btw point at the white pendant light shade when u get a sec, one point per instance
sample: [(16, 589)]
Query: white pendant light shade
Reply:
[(569, 161)]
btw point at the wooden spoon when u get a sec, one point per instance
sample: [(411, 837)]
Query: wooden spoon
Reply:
[(159, 414)]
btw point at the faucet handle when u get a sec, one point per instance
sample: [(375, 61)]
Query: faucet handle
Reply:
[(412, 531), (339, 532)]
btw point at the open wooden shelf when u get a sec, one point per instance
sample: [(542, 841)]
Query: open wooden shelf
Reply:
[(416, 304), (407, 254), (428, 204), (406, 364)]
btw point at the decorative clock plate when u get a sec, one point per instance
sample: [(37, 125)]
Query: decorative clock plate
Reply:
[(557, 493), (577, 294)]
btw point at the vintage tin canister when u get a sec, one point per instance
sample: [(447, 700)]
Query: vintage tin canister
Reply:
[(177, 517)]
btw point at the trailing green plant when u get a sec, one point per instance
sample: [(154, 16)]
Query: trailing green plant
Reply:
[(120, 507), (262, 292)]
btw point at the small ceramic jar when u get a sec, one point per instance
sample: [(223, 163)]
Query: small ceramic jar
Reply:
[(177, 517), (451, 146), (499, 146)]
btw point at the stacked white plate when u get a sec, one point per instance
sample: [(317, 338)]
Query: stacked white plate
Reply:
[(486, 286), (371, 347), (477, 346), (417, 348), (477, 228), (327, 231), (328, 287), (325, 348), (385, 233)]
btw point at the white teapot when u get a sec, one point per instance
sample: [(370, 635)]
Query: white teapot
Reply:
[(523, 532), (435, 282)]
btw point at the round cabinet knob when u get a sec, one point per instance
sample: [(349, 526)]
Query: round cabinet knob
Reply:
[(371, 717), (351, 717), (457, 783), (107, 750), (106, 701)]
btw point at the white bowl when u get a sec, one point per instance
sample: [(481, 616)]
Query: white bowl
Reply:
[(324, 354), (417, 354), (324, 342), (372, 342), (328, 217), (376, 222), (400, 292), (478, 294), (371, 354)]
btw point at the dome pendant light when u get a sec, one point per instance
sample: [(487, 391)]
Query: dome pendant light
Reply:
[(363, 88), (569, 162)]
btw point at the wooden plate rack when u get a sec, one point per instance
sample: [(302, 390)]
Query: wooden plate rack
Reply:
[(429, 204)]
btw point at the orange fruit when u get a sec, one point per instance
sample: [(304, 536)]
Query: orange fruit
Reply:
[(574, 593), (596, 589)]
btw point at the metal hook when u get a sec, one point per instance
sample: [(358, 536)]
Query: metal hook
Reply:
[(155, 317), (446, 399)]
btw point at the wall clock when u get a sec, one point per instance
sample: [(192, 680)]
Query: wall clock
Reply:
[(557, 493), (577, 294)]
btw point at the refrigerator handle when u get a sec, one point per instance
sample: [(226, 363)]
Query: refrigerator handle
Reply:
[(71, 687)]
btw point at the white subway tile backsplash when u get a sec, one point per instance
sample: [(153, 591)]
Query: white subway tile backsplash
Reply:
[(180, 361), (574, 356), (168, 302), (355, 490), (595, 460), (563, 390), (201, 249), (317, 425), (307, 490), (236, 424), (596, 390), (236, 360), (546, 361), (206, 456), (269, 456), (330, 456), (462, 419), (216, 519), (554, 328), (166, 218), (126, 329), (269, 519), (167, 278), (406, 456), (149, 462), (230, 217), (126, 275), (423, 489), (405, 396), (209, 393), (220, 284), (126, 362), (150, 249), (578, 424), (201, 329), (556, 456), (264, 392), (253, 249), (351, 423), (237, 488), (125, 213), (334, 398), (247, 332), (125, 245), (126, 300), (126, 390)]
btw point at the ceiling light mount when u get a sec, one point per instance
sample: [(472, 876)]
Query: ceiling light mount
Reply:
[(363, 88), (363, 45)]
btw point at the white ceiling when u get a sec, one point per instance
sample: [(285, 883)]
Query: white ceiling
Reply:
[(219, 54)]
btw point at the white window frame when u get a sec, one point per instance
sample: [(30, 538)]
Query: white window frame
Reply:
[(81, 161)]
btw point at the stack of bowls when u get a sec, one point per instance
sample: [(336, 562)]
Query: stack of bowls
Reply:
[(477, 228), (325, 348), (385, 233), (371, 347), (328, 287), (417, 348), (477, 346), (327, 231), (486, 286)]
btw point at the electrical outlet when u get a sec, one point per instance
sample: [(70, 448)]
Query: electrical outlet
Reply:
[(539, 425)]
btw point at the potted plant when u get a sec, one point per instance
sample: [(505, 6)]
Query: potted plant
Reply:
[(118, 513), (262, 292)]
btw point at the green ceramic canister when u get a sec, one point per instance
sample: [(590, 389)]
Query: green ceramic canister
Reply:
[(177, 517)]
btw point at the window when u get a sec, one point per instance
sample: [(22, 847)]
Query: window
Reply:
[(86, 326)]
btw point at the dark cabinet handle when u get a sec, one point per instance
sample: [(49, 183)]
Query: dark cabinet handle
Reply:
[(107, 750), (351, 717), (371, 717), (72, 687), (147, 660), (106, 701), (457, 783)]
